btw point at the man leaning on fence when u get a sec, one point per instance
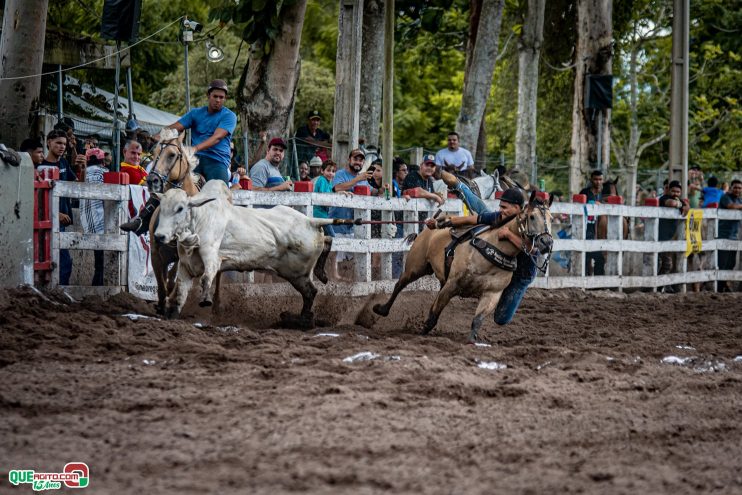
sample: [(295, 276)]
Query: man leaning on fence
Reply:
[(594, 194), (668, 227), (265, 174), (56, 143), (729, 229)]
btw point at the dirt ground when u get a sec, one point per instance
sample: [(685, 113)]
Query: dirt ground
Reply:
[(584, 403)]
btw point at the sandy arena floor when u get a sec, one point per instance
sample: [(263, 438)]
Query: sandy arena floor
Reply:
[(584, 403)]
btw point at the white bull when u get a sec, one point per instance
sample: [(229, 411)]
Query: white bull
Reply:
[(213, 236)]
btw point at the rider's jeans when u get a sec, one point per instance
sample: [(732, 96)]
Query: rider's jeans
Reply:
[(516, 289), (212, 169), (510, 300), (473, 202)]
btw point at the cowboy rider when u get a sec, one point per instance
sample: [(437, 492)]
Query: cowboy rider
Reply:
[(212, 126), (511, 203)]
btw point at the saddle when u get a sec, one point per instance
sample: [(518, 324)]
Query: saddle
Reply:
[(470, 183), (489, 251)]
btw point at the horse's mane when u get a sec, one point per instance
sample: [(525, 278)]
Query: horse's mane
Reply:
[(168, 134), (503, 221)]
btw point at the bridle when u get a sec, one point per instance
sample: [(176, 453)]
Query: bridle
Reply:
[(523, 231), (156, 181)]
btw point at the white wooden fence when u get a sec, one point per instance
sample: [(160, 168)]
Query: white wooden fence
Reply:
[(629, 263)]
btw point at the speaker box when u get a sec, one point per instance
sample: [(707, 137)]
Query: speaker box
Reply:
[(121, 20), (599, 91)]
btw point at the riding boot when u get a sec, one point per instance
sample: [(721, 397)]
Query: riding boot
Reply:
[(450, 180), (140, 224)]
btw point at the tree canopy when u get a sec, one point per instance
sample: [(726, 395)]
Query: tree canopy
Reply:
[(429, 70)]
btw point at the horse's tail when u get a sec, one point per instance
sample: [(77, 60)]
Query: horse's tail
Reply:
[(410, 238)]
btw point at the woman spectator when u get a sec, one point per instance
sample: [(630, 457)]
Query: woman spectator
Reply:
[(304, 172)]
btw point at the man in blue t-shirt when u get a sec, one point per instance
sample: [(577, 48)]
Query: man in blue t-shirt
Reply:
[(211, 134), (345, 180)]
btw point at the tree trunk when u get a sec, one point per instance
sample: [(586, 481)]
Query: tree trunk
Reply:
[(21, 54), (265, 96), (371, 82), (479, 70), (529, 50), (593, 55)]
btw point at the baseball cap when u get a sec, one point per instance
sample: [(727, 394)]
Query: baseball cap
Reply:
[(428, 158), (217, 84), (357, 152), (315, 162), (513, 196), (277, 141), (313, 114), (96, 152)]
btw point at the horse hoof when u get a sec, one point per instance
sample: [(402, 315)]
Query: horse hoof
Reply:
[(321, 275), (381, 310), (205, 304), (425, 331)]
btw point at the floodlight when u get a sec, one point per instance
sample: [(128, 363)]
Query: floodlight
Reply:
[(213, 52)]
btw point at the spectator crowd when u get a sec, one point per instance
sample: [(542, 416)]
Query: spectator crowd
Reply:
[(85, 160)]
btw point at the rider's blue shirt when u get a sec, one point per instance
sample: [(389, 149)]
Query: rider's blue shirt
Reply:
[(203, 125), (526, 269)]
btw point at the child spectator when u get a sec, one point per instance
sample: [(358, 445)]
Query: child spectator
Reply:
[(91, 210), (711, 193), (324, 185)]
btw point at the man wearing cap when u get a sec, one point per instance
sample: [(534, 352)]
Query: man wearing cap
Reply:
[(595, 260), (422, 180), (511, 203), (454, 158), (211, 132), (309, 136), (315, 168), (265, 174), (345, 180)]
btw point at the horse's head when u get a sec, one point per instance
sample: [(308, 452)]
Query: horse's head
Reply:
[(534, 223), (172, 162)]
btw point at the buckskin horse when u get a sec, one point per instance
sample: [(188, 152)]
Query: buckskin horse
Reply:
[(173, 168), (470, 273)]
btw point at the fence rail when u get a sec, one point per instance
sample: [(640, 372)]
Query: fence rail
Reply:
[(630, 263)]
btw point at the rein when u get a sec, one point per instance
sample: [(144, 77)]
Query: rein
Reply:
[(524, 235)]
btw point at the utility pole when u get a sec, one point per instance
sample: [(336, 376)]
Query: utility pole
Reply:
[(387, 138), (679, 96), (348, 80)]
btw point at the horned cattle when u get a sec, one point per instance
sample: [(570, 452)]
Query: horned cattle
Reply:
[(213, 236)]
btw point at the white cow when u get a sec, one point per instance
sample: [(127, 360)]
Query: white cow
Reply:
[(214, 236)]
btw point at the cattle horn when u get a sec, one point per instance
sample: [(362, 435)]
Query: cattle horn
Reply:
[(200, 202)]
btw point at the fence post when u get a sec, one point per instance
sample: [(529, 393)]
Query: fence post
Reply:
[(651, 260), (385, 272), (362, 261)]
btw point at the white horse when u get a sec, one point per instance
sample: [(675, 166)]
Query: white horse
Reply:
[(488, 185)]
